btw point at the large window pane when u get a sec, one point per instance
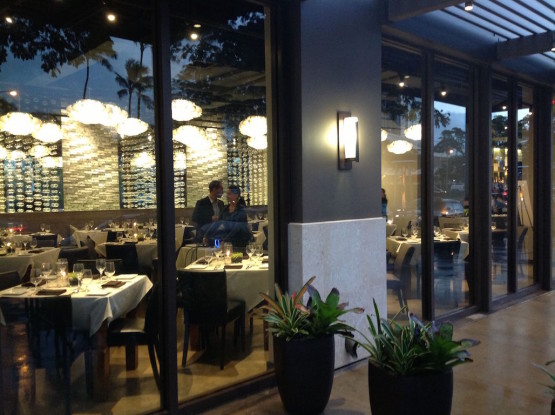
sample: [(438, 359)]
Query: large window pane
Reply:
[(499, 189), (219, 113), (451, 249), (525, 172), (77, 147), (401, 175)]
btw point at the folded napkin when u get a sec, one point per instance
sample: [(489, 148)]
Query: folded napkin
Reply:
[(47, 291), (30, 284), (233, 266), (35, 251), (113, 284)]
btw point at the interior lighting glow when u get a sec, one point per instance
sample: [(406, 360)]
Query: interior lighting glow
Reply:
[(185, 110)]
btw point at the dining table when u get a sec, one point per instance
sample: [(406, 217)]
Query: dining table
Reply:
[(147, 250), (393, 244), (245, 281), (93, 309), (21, 261)]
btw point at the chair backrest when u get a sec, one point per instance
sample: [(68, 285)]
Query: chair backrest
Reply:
[(151, 313), (127, 253), (204, 296), (522, 231), (402, 265), (73, 255), (90, 244), (45, 243), (389, 229), (9, 279), (446, 251), (112, 236), (46, 240)]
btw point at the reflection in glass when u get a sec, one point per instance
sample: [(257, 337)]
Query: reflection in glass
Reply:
[(401, 173), (499, 188), (525, 195), (451, 248)]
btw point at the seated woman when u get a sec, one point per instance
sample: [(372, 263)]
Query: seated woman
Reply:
[(232, 225)]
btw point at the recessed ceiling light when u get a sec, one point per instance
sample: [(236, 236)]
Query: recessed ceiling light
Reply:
[(13, 93), (504, 107), (9, 20), (468, 6), (197, 25), (194, 36), (111, 17)]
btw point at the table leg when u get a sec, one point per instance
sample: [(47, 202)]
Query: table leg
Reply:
[(97, 365)]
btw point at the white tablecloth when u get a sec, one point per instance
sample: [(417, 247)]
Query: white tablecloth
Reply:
[(455, 234), (99, 237), (190, 253), (393, 244), (20, 263), (146, 251), (89, 312), (244, 284)]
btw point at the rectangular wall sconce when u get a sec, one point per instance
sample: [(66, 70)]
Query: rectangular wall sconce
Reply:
[(347, 140)]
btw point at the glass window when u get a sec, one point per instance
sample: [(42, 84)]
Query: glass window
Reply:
[(401, 134), (499, 188), (219, 107), (525, 195), (451, 187)]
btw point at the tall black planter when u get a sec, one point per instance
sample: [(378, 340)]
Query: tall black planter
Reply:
[(304, 373), (425, 394)]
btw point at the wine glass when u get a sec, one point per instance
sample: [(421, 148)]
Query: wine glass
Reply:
[(36, 278), (46, 270), (78, 269), (251, 249), (20, 228), (42, 227), (218, 253), (181, 220), (25, 243), (47, 228), (34, 243), (100, 266), (404, 232), (110, 269), (86, 279)]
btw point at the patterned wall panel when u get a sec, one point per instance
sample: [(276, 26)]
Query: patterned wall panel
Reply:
[(90, 167), (205, 165)]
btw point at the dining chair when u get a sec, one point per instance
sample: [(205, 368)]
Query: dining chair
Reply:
[(136, 331), (91, 245), (445, 271), (73, 255), (127, 253), (46, 240), (399, 278), (53, 341), (205, 303), (9, 279)]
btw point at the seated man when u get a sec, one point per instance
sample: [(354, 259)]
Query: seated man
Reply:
[(208, 209)]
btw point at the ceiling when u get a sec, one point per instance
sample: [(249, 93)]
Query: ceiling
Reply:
[(515, 34)]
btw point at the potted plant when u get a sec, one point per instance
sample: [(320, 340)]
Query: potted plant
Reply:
[(552, 386), (304, 346), (410, 365)]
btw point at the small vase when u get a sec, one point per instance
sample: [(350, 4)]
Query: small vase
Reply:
[(304, 373)]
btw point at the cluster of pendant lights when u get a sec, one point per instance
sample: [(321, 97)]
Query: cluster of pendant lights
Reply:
[(400, 145), (90, 112)]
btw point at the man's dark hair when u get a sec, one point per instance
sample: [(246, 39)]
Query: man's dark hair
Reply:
[(214, 184)]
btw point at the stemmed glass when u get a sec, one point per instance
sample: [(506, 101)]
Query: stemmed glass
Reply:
[(251, 249), (34, 243), (47, 228), (36, 278), (46, 269), (100, 266), (181, 220), (218, 253), (258, 252), (42, 227), (78, 269), (404, 232), (86, 279), (110, 270), (25, 243)]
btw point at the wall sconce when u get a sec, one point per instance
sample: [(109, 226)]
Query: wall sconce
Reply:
[(347, 140)]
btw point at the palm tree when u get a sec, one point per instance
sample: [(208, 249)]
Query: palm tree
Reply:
[(138, 80)]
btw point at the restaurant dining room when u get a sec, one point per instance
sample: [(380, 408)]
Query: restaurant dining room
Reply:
[(81, 228)]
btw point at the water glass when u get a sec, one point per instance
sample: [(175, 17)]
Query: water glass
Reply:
[(86, 279), (36, 278), (78, 269), (100, 266), (34, 243), (110, 269)]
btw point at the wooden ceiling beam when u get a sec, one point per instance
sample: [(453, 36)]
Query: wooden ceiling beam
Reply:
[(527, 45), (405, 9)]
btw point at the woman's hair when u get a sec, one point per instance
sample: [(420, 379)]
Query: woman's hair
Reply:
[(234, 189)]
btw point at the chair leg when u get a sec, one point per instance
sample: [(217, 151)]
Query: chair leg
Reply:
[(222, 351), (185, 345), (152, 350)]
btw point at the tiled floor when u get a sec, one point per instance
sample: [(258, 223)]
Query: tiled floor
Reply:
[(501, 381)]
